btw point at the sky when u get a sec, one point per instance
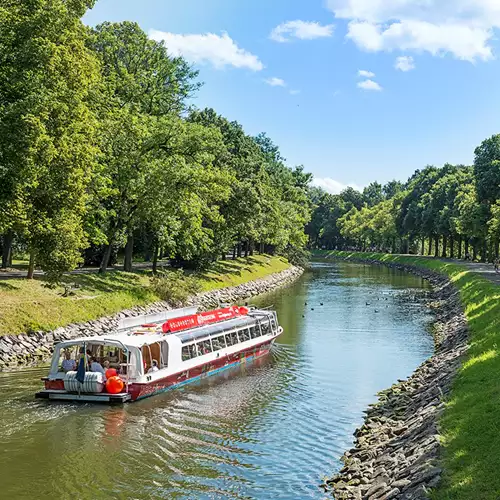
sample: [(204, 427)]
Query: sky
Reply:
[(354, 90)]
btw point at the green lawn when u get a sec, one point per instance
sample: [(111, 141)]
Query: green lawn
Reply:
[(30, 305), (470, 426)]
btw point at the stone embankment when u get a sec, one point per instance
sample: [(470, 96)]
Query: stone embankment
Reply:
[(396, 451), (36, 347)]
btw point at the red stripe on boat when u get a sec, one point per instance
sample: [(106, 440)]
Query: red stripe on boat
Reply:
[(204, 318)]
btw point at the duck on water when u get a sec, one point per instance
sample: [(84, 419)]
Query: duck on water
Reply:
[(155, 353)]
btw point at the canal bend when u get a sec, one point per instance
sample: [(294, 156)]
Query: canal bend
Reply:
[(273, 429)]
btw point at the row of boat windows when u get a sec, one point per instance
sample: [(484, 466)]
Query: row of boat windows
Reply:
[(223, 340)]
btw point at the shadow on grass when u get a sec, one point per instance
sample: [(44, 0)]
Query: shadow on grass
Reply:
[(109, 282)]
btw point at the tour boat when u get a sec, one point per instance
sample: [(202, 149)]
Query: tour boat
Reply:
[(158, 352)]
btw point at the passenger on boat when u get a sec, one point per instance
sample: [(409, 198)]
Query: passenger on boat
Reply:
[(68, 364), (154, 367), (95, 366)]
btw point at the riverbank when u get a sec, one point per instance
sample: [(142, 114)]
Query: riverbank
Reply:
[(442, 423), (35, 348), (30, 305)]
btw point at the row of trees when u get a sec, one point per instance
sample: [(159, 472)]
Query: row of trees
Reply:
[(100, 151), (450, 211)]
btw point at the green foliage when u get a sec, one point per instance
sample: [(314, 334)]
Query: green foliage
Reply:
[(48, 132), (453, 207), (175, 286), (297, 256)]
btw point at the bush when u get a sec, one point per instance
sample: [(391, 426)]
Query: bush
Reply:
[(297, 256), (175, 287)]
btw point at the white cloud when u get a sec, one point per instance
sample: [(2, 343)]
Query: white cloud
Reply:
[(463, 28), (404, 63), (294, 92), (365, 74), (275, 82), (332, 186), (218, 50), (369, 85), (303, 30)]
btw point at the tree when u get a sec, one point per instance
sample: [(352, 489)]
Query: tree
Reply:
[(48, 140), (142, 84), (372, 194)]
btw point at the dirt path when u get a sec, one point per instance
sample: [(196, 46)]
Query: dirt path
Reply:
[(485, 270)]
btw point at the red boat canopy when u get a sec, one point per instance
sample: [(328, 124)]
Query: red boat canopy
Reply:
[(204, 318)]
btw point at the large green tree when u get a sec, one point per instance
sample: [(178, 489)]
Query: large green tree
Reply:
[(48, 141)]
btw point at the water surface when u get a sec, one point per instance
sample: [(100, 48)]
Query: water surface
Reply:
[(273, 429)]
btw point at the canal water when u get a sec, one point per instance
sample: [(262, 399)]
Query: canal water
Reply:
[(273, 429)]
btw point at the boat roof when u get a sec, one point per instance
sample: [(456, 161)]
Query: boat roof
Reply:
[(128, 339)]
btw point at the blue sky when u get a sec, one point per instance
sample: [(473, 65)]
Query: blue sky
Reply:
[(436, 106)]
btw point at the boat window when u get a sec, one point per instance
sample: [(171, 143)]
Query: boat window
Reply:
[(265, 327), (254, 332), (244, 335), (218, 343), (273, 323), (229, 340), (186, 353), (234, 338), (204, 347), (164, 354)]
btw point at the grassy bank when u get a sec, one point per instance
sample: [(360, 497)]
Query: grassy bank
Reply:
[(26, 305), (470, 426)]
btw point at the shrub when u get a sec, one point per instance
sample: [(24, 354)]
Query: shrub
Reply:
[(297, 256), (175, 287)]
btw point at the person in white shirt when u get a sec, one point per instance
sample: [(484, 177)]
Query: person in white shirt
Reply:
[(68, 364), (95, 366), (154, 367)]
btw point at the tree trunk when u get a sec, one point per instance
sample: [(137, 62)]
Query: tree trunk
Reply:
[(460, 246), (497, 248), (129, 252), (422, 246), (155, 259), (452, 250), (444, 252), (7, 250), (466, 249), (223, 256), (238, 249), (484, 253), (474, 251), (246, 249), (430, 246), (31, 266), (436, 244), (252, 245), (393, 245), (105, 258)]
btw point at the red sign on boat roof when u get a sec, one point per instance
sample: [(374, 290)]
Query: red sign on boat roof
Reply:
[(204, 318)]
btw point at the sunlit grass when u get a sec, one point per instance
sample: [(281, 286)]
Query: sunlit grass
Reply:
[(30, 305), (470, 426)]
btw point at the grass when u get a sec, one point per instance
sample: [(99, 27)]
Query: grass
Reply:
[(30, 305), (470, 426)]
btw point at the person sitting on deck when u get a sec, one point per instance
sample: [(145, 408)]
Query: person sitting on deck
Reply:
[(95, 366), (154, 367), (68, 364)]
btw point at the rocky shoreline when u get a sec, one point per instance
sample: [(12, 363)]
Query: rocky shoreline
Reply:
[(396, 451), (35, 348)]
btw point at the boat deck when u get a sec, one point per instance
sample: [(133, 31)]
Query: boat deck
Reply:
[(103, 397)]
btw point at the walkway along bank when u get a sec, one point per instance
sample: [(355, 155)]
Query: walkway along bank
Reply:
[(18, 351), (396, 454)]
